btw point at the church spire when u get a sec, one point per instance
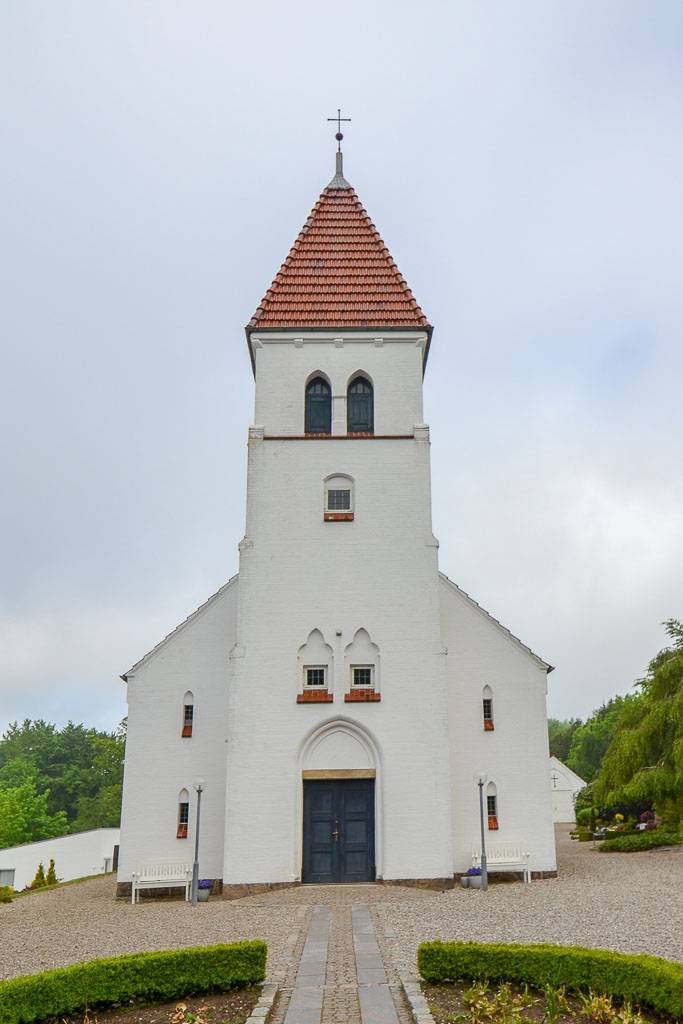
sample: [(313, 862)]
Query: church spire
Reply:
[(339, 181)]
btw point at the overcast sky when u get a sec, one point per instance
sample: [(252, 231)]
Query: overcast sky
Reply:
[(522, 161)]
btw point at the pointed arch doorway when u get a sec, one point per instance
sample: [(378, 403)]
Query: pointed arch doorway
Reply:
[(339, 800), (339, 830)]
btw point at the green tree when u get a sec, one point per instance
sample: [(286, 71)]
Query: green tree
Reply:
[(645, 759), (560, 736), (72, 767), (24, 817), (591, 741)]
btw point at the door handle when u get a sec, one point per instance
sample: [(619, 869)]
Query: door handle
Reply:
[(335, 833)]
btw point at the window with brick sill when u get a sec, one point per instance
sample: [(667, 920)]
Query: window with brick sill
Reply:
[(487, 705), (188, 720), (188, 713), (492, 811), (338, 499), (183, 817), (315, 686), (362, 685)]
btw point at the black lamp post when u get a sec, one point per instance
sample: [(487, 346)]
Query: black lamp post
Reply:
[(480, 778), (199, 786)]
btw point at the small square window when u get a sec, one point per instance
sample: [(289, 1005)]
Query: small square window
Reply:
[(315, 676), (339, 501), (362, 675)]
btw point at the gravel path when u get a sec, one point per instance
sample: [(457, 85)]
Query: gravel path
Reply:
[(631, 903), (627, 902)]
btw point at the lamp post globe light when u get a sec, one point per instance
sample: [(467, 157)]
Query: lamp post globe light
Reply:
[(480, 778), (199, 787)]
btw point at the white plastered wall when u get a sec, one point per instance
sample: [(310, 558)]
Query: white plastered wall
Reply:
[(515, 753), (159, 761)]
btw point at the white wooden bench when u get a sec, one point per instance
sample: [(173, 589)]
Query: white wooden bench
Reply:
[(156, 874), (503, 857)]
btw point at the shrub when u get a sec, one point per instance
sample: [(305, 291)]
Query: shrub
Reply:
[(51, 878), (583, 816), (626, 843), (646, 980), (39, 880), (152, 976), (6, 893)]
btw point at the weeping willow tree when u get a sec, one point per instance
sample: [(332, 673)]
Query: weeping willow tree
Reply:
[(645, 758)]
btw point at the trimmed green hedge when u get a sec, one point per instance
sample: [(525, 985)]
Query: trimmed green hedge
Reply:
[(625, 843), (153, 976), (645, 980)]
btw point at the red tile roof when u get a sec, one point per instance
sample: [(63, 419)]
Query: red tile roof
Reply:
[(339, 273)]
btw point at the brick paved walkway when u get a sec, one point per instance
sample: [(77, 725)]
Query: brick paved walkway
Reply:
[(334, 972)]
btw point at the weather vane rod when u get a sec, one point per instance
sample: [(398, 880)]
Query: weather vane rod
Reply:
[(339, 120)]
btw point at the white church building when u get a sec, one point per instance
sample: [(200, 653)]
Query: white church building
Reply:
[(338, 694), (565, 786)]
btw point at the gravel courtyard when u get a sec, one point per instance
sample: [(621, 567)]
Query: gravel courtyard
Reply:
[(632, 903)]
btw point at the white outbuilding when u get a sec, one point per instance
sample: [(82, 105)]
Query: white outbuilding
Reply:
[(339, 694), (565, 785)]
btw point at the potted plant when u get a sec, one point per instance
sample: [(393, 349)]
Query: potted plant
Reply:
[(474, 878), (204, 890)]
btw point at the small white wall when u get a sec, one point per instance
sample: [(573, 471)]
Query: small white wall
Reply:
[(515, 753), (75, 856)]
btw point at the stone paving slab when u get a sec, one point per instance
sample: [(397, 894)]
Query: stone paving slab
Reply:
[(341, 978), (376, 1005)]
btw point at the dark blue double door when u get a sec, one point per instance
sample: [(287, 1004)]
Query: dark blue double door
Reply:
[(339, 830)]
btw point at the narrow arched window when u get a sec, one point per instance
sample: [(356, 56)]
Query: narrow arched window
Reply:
[(318, 419), (487, 705), (188, 713), (360, 417), (183, 813), (492, 806)]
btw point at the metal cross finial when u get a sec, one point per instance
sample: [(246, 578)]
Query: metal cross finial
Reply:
[(339, 120)]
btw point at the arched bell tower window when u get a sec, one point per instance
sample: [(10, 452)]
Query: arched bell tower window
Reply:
[(360, 418), (318, 419)]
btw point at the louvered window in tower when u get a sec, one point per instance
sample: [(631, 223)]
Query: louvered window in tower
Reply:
[(318, 419), (359, 407)]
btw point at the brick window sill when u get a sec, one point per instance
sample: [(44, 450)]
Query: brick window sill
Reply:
[(338, 517), (493, 822), (361, 696), (182, 832), (187, 730), (488, 725), (317, 696)]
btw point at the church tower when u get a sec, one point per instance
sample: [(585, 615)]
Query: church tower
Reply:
[(337, 720)]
